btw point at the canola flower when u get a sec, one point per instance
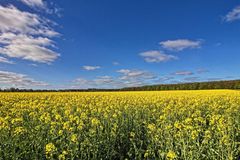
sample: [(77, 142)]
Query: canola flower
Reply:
[(74, 138), (171, 155), (63, 155), (120, 125), (50, 149)]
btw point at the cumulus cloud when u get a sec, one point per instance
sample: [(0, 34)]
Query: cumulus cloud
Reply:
[(12, 79), (5, 60), (14, 20), (180, 44), (233, 15), (27, 47), (34, 3), (26, 35), (156, 56), (91, 68), (183, 73)]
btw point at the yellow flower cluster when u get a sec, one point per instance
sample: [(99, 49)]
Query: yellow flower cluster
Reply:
[(120, 125), (171, 155), (50, 149)]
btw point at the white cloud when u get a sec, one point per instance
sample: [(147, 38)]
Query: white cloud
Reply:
[(11, 79), (14, 20), (34, 3), (132, 78), (180, 44), (135, 74), (42, 5), (124, 71), (91, 68), (104, 79), (233, 15), (183, 73), (5, 60), (156, 56), (116, 63), (83, 83), (99, 82), (27, 47), (26, 35), (127, 78)]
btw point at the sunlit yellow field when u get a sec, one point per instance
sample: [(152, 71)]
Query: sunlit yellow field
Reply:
[(120, 125)]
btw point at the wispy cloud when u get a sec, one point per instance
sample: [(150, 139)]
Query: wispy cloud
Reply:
[(180, 44), (34, 3), (91, 68), (41, 5), (191, 79), (26, 35), (165, 79), (133, 77), (202, 70), (12, 79), (5, 60), (99, 82), (156, 56), (183, 73), (124, 71), (115, 63), (135, 74), (233, 15), (104, 80), (127, 78)]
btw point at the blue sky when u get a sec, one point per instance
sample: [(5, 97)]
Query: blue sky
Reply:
[(114, 44)]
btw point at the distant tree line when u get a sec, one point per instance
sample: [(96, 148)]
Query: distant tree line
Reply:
[(230, 84)]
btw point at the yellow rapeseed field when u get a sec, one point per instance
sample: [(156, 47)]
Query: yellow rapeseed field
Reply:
[(120, 125)]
